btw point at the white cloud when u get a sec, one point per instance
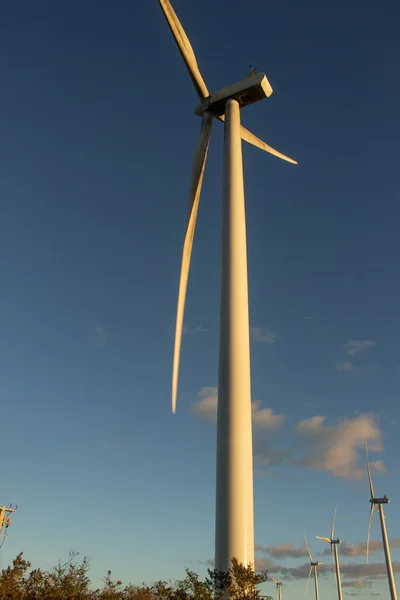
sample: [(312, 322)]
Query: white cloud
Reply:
[(263, 418), (206, 405), (355, 346), (336, 448), (263, 335)]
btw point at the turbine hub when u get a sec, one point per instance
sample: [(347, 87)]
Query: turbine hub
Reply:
[(384, 500), (247, 91)]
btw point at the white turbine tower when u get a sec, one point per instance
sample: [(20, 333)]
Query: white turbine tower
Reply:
[(335, 556), (278, 584), (234, 486), (313, 568), (379, 502)]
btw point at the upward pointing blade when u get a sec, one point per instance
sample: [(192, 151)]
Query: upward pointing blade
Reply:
[(273, 579), (185, 48), (369, 528), (371, 487), (197, 180), (308, 549), (333, 524)]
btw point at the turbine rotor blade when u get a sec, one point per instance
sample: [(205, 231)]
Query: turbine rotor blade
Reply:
[(195, 190), (333, 524), (273, 579), (333, 559), (308, 580), (323, 539), (308, 549), (185, 48), (371, 487), (369, 529), (252, 139)]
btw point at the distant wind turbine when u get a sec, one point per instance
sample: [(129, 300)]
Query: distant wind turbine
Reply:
[(335, 556), (278, 584), (234, 529), (379, 502), (313, 567)]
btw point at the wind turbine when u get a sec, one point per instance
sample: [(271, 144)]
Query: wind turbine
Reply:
[(335, 556), (234, 527), (313, 567), (278, 584), (379, 502)]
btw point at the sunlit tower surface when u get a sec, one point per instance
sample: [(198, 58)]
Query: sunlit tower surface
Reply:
[(234, 521)]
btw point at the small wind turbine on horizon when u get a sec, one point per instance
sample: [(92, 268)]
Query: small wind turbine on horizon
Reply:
[(234, 523), (313, 567), (335, 556), (278, 584), (379, 502)]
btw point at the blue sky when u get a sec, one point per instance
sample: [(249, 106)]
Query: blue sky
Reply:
[(97, 138)]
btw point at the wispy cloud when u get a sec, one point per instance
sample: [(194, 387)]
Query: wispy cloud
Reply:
[(354, 346), (101, 335), (349, 367), (361, 549), (356, 575), (258, 334), (193, 330), (264, 419), (282, 551), (359, 584)]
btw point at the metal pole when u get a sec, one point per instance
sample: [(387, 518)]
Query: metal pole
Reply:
[(316, 583), (392, 585), (234, 530), (339, 583)]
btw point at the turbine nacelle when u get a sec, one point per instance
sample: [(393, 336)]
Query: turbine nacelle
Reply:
[(384, 500), (249, 90)]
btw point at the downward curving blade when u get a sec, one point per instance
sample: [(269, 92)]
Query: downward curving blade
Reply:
[(195, 190), (333, 559), (369, 528), (252, 139), (185, 48), (308, 580), (371, 487), (308, 549), (333, 524), (249, 137)]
